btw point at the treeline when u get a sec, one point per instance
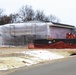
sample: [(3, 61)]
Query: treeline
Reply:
[(26, 13)]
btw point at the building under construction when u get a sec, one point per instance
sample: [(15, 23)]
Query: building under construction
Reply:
[(19, 34)]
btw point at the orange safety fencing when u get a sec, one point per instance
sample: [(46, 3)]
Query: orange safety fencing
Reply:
[(58, 45)]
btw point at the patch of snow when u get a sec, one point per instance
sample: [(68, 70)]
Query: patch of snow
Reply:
[(43, 54), (34, 57), (3, 67)]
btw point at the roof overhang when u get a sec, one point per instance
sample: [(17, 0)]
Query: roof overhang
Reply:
[(62, 25)]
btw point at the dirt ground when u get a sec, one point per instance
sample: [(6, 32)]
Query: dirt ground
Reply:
[(11, 51), (5, 51), (20, 49)]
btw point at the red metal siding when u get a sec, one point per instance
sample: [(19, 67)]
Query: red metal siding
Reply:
[(58, 32)]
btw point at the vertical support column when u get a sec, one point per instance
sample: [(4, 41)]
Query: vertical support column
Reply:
[(12, 33), (48, 30)]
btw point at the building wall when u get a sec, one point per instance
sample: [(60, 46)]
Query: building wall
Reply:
[(20, 34), (58, 32)]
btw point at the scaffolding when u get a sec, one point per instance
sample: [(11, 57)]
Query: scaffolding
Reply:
[(21, 33)]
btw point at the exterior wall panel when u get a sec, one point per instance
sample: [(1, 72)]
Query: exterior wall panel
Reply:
[(58, 32)]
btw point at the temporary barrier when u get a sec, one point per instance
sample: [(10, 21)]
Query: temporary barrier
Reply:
[(56, 45)]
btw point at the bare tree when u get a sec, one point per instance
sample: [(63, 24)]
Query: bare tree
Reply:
[(5, 19), (46, 19), (14, 18), (53, 18), (40, 15), (26, 13), (1, 12)]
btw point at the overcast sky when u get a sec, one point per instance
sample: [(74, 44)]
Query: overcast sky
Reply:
[(65, 10)]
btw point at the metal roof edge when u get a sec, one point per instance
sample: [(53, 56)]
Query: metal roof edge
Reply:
[(62, 24)]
